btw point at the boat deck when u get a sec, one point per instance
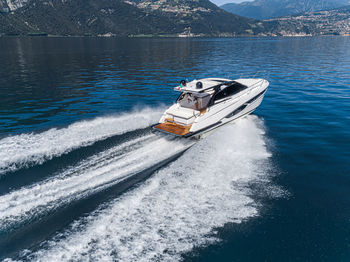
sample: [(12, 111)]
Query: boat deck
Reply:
[(173, 128)]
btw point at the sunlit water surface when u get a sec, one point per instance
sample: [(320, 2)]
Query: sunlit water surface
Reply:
[(83, 177)]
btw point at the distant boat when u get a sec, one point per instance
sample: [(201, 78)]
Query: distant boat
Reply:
[(187, 33), (208, 103)]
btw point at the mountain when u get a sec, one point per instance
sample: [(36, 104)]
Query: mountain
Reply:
[(11, 5), (79, 17), (328, 22), (264, 9), (120, 17)]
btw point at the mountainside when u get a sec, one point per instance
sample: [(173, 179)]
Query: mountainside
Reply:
[(78, 17), (201, 15), (329, 22), (156, 17), (264, 9), (11, 5), (117, 17)]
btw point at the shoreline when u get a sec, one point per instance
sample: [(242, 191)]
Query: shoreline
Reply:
[(166, 36)]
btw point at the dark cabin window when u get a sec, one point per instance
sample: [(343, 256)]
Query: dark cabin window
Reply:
[(229, 91)]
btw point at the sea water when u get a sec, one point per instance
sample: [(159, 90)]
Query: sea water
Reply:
[(84, 178)]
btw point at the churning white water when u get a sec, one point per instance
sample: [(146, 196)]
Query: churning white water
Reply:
[(29, 149), (175, 210), (89, 176)]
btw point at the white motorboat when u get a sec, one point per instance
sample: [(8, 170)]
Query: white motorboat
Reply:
[(208, 103)]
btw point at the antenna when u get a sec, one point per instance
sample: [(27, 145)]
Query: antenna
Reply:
[(268, 76), (256, 74)]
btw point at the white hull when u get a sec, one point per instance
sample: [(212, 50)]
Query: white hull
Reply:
[(220, 112), (248, 110)]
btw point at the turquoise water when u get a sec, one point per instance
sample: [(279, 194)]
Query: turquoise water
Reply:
[(82, 176)]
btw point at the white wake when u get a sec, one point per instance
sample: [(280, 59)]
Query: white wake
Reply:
[(176, 209), (91, 175), (28, 149)]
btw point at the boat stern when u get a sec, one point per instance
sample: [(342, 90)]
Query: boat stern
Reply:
[(173, 128), (177, 120)]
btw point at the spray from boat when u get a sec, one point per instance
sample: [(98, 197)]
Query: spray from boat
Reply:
[(178, 208), (27, 150)]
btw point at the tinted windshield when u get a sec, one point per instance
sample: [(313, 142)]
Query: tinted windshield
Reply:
[(229, 91)]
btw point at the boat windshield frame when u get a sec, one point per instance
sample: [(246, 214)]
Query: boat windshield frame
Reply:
[(210, 93), (205, 89), (239, 87)]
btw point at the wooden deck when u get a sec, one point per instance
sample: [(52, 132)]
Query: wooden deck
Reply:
[(173, 128)]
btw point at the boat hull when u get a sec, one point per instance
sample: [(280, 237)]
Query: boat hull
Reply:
[(246, 111), (220, 113)]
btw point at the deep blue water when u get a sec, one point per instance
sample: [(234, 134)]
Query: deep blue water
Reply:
[(82, 176)]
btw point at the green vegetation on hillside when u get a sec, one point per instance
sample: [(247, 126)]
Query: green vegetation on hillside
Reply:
[(264, 9), (147, 18), (119, 18), (329, 22)]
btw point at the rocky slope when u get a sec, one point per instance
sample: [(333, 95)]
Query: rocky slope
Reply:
[(79, 17), (11, 5), (156, 17), (264, 9), (329, 22), (121, 17)]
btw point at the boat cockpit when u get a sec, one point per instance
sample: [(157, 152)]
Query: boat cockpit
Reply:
[(196, 101), (201, 99)]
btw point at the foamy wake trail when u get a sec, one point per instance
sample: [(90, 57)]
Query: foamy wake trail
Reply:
[(91, 175), (28, 149), (175, 210)]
